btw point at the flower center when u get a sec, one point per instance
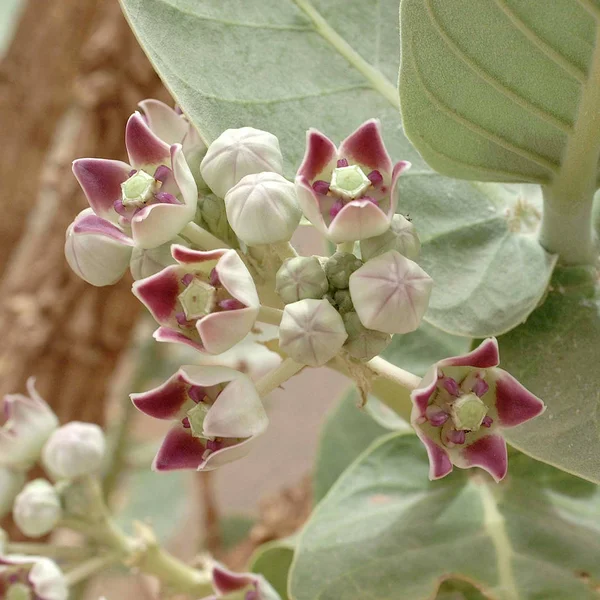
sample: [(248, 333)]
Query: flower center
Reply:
[(467, 412), (198, 299), (196, 416), (349, 182), (139, 189)]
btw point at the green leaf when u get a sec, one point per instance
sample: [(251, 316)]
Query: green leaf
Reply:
[(555, 355), (273, 561), (287, 65), (234, 529), (385, 531), (501, 90)]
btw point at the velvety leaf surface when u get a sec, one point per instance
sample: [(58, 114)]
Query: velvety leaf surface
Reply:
[(384, 531), (273, 560), (491, 90), (287, 65), (555, 354)]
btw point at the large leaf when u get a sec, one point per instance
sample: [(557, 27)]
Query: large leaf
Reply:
[(502, 90), (555, 354), (385, 532), (287, 65), (273, 560)]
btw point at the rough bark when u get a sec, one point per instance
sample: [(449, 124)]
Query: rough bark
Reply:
[(54, 326)]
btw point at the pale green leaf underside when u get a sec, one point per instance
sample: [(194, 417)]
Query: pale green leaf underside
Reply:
[(555, 354), (287, 65), (490, 89), (385, 532)]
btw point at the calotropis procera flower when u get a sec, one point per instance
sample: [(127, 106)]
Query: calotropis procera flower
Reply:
[(218, 413), (311, 332), (237, 153), (390, 293), (226, 582), (31, 577), (29, 423), (461, 406), (154, 197), (348, 193), (262, 209), (208, 300)]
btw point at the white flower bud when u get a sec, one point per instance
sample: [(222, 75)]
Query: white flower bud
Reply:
[(11, 483), (363, 344), (401, 236), (37, 508), (339, 267), (299, 278), (237, 153), (262, 209), (311, 332), (74, 450), (390, 293)]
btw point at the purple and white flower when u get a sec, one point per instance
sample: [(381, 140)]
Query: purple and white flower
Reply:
[(349, 193), (208, 300), (227, 582), (461, 406), (217, 412), (33, 576)]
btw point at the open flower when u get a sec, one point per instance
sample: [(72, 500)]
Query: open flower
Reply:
[(154, 197), (461, 406), (218, 413), (208, 300), (29, 423), (32, 576), (348, 193), (226, 582)]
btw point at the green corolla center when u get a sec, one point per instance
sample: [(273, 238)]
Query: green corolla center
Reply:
[(138, 189), (196, 416), (349, 182), (19, 591), (468, 412), (198, 299)]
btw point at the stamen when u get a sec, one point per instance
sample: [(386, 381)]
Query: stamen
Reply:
[(231, 304), (480, 387), (132, 172), (436, 416), (166, 198), (186, 423), (197, 393), (187, 279), (162, 173), (343, 162), (213, 445), (487, 421), (182, 320), (456, 437), (335, 209), (214, 278), (321, 187), (120, 208), (451, 386), (375, 177)]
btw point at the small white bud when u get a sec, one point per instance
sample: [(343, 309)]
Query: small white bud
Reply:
[(401, 236), (37, 508), (237, 153), (74, 450), (262, 209), (311, 332), (299, 278)]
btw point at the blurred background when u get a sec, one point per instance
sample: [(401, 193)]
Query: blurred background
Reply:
[(71, 73)]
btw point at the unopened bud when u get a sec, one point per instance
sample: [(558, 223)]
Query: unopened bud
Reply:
[(363, 344), (262, 209), (37, 508), (311, 332), (237, 153), (401, 236), (300, 278), (343, 301), (74, 450), (339, 267)]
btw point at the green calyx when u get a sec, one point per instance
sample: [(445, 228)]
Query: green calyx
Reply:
[(468, 412), (349, 182), (196, 416), (362, 343), (339, 267), (198, 299), (138, 189), (301, 278)]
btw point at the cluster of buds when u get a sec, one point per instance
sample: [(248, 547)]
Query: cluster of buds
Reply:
[(206, 231)]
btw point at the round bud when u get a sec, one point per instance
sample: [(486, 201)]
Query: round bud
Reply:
[(300, 278), (262, 209), (343, 301), (339, 267), (311, 332), (401, 236), (363, 344), (237, 153), (37, 508), (73, 450)]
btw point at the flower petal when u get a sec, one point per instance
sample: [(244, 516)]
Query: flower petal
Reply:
[(101, 181), (489, 453), (365, 146), (399, 168), (164, 121), (227, 455), (165, 334), (159, 293), (236, 279), (164, 401), (514, 403), (320, 153), (308, 200), (221, 331), (187, 256), (358, 220), (179, 450), (484, 356), (421, 395), (144, 148), (439, 461)]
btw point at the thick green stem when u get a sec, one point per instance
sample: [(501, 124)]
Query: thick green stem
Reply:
[(202, 238), (272, 380), (267, 314), (566, 224)]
